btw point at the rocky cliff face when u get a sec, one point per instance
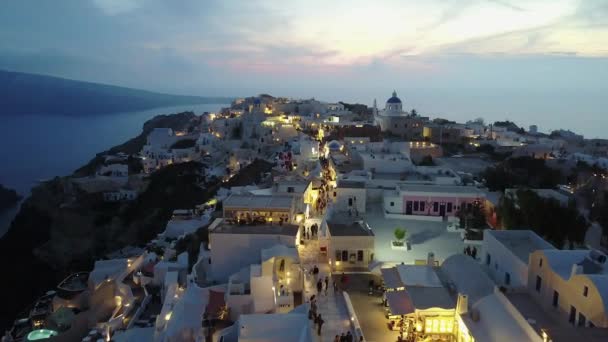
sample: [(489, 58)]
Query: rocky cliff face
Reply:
[(8, 198), (61, 229)]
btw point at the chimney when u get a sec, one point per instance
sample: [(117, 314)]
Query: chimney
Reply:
[(462, 304), (430, 260), (576, 269)]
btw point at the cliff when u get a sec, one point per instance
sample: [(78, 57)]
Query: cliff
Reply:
[(8, 198)]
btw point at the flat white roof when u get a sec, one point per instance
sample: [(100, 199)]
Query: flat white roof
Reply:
[(418, 275), (520, 242), (467, 276), (274, 328), (499, 321)]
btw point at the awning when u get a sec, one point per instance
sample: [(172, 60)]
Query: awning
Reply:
[(400, 302), (391, 277)]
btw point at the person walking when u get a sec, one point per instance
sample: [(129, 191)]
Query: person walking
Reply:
[(349, 337), (343, 337), (319, 286), (474, 252), (337, 338), (320, 322), (326, 284), (335, 286)]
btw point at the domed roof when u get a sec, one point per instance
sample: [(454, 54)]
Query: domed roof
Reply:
[(334, 145), (394, 98)]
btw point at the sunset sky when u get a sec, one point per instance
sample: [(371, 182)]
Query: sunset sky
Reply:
[(526, 60)]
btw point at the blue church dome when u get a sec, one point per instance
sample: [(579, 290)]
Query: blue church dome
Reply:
[(334, 145), (394, 98), (257, 101)]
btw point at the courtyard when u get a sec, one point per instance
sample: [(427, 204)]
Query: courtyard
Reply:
[(424, 236)]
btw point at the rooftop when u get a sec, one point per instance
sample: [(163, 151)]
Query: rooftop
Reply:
[(274, 327), (349, 229), (465, 275), (261, 201), (555, 327), (453, 189), (430, 297), (270, 229), (520, 242), (418, 275), (351, 184)]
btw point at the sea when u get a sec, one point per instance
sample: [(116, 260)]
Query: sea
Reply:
[(34, 148)]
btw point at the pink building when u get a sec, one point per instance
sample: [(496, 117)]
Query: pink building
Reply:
[(430, 200)]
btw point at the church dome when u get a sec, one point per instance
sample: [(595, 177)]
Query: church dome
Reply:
[(394, 98)]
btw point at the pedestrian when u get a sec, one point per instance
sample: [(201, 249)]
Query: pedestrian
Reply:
[(343, 337), (468, 250), (337, 338), (320, 322), (349, 337), (335, 286), (319, 286), (315, 270), (310, 314), (326, 284), (474, 252)]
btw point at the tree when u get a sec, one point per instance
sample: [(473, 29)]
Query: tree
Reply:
[(472, 216), (547, 217), (400, 234), (414, 112)]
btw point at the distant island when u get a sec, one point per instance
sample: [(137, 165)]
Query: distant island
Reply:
[(8, 198), (24, 93)]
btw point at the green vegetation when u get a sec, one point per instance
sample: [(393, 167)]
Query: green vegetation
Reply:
[(472, 217), (522, 171), (400, 234), (547, 217), (184, 143)]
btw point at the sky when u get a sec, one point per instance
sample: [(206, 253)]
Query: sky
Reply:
[(541, 62)]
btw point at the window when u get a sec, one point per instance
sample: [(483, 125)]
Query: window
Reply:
[(449, 207), (507, 278), (422, 206), (555, 298), (350, 202), (344, 255), (585, 291), (291, 189), (540, 262), (582, 320), (435, 206), (335, 194), (338, 255), (416, 204), (539, 283), (572, 317), (392, 204), (359, 255), (488, 259)]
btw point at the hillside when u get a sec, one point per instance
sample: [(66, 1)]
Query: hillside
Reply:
[(38, 94)]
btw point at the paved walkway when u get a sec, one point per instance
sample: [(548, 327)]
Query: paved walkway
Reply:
[(331, 306)]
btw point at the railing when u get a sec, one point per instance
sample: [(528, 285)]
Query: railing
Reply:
[(354, 321)]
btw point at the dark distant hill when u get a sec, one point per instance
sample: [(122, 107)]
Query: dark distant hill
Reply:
[(22, 93)]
